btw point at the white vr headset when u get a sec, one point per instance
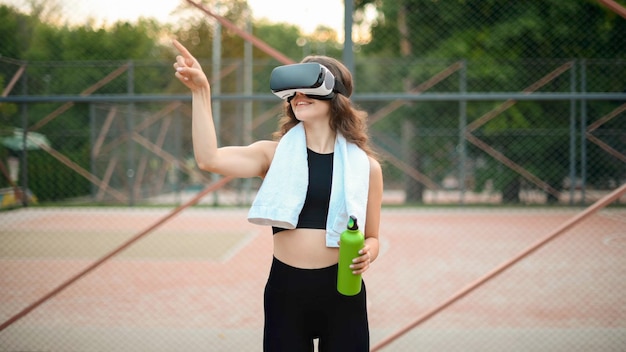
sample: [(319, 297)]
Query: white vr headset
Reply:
[(311, 78)]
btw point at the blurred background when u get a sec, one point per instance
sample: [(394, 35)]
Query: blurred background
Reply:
[(509, 116), (446, 85)]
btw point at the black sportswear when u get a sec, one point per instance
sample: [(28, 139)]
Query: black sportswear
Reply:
[(315, 210)]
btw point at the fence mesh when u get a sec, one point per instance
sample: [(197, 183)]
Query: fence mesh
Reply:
[(496, 122)]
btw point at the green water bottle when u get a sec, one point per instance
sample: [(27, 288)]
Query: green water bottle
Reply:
[(351, 242)]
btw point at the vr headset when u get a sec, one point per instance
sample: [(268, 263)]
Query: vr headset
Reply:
[(312, 79)]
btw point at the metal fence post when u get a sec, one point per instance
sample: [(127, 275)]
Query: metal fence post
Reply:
[(572, 134), (216, 88), (462, 148), (130, 125), (583, 130), (348, 50), (92, 137), (24, 152)]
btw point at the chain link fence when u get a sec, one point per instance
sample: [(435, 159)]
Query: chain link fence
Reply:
[(501, 128), (447, 146)]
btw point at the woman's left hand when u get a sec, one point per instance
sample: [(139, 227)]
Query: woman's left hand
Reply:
[(361, 263)]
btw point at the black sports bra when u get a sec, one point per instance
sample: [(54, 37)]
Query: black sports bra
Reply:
[(315, 209)]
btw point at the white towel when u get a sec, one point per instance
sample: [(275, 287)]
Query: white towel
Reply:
[(281, 195)]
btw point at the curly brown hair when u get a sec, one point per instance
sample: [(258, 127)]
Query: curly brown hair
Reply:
[(345, 118)]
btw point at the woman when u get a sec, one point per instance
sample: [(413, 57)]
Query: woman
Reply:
[(301, 300)]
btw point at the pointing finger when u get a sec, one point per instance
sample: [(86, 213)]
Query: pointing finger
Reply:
[(183, 51)]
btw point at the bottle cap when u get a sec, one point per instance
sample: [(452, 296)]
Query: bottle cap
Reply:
[(352, 223)]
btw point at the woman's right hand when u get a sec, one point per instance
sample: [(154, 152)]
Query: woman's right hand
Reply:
[(188, 70)]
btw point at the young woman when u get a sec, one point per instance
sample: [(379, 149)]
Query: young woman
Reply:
[(301, 300)]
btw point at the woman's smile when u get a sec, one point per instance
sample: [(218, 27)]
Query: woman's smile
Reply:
[(302, 103)]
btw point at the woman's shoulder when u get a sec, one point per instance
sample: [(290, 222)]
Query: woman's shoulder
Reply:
[(374, 164), (267, 147), (376, 171), (264, 151)]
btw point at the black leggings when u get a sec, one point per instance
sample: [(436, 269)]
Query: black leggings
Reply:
[(303, 304)]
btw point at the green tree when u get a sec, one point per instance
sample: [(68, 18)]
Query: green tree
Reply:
[(487, 33), (65, 60)]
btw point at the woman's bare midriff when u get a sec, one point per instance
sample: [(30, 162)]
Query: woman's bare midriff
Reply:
[(304, 248)]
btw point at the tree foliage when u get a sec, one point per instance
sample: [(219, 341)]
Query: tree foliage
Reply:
[(525, 40), (409, 42)]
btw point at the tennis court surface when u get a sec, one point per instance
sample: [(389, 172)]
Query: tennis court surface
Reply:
[(196, 282)]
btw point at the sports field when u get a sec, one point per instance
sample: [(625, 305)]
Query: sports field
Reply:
[(196, 282)]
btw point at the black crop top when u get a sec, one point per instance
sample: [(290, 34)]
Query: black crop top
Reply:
[(315, 209)]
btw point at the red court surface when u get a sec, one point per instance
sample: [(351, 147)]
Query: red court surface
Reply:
[(196, 283)]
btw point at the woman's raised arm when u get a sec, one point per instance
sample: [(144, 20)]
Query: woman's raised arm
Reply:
[(245, 161)]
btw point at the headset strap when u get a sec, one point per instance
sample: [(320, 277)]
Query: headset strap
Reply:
[(340, 88)]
